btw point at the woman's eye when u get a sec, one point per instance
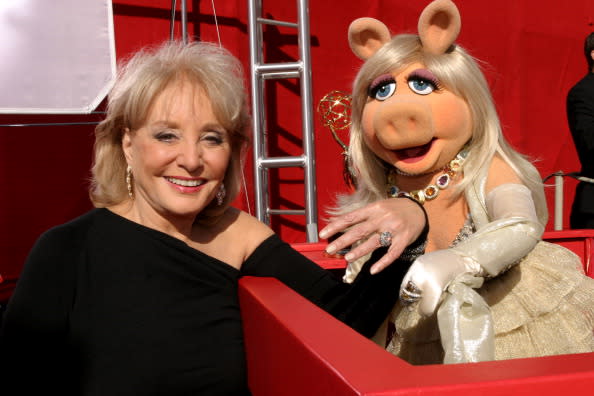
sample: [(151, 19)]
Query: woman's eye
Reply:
[(165, 136), (383, 90), (421, 85), (214, 139)]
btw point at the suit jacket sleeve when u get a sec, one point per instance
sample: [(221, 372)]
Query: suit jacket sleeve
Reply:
[(580, 115)]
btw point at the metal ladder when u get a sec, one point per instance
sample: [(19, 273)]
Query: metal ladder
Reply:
[(260, 72)]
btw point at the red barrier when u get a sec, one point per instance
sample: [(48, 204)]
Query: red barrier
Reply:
[(295, 348), (581, 242), (315, 252)]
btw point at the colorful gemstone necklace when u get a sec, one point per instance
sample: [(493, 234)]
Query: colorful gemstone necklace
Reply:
[(432, 190)]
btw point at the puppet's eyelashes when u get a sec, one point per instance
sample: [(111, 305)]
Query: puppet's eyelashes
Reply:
[(421, 86), (382, 90)]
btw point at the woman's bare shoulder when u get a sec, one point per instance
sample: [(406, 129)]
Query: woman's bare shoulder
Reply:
[(232, 238), (249, 229)]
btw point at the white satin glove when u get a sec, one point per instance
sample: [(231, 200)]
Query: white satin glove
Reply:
[(512, 233), (433, 272)]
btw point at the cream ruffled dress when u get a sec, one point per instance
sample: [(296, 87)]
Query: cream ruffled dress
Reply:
[(543, 305)]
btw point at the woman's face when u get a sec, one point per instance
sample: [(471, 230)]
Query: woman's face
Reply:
[(180, 155)]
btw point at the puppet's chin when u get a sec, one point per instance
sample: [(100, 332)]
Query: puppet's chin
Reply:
[(414, 161), (413, 173)]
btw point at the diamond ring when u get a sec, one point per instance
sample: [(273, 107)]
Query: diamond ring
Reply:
[(385, 239)]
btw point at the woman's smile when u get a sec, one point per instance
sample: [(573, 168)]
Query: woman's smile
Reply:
[(185, 185)]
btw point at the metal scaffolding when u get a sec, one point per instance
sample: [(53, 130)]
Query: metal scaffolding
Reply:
[(260, 72)]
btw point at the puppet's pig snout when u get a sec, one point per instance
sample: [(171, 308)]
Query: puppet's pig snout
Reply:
[(400, 121)]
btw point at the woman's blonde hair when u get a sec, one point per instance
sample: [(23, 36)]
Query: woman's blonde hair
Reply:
[(459, 73), (140, 80)]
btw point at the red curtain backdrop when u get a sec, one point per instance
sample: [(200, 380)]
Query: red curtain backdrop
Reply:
[(530, 50)]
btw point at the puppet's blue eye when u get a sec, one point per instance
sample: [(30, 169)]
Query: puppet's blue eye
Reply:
[(383, 90), (421, 86)]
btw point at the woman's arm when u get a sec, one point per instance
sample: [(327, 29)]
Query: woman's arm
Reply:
[(363, 305)]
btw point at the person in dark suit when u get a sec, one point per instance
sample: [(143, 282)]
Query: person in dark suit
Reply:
[(580, 116)]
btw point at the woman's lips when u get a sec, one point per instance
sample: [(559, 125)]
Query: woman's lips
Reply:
[(185, 185), (413, 154)]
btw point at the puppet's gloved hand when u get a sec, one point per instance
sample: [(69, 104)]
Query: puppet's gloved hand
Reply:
[(429, 276), (512, 233)]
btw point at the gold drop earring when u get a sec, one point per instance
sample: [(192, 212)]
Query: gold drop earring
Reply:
[(129, 181)]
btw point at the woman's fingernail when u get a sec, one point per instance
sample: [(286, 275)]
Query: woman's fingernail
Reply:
[(330, 249), (323, 234), (349, 256)]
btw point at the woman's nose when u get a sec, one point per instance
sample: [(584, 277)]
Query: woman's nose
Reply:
[(190, 157)]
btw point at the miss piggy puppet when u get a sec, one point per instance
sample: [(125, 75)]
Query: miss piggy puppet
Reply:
[(487, 287)]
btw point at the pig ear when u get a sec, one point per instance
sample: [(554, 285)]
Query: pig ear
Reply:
[(439, 26), (366, 36)]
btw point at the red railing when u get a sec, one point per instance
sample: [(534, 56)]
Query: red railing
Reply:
[(295, 348)]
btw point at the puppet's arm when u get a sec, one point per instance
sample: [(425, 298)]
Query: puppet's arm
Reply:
[(512, 233)]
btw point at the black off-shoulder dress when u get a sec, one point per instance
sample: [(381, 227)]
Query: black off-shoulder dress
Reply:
[(108, 307)]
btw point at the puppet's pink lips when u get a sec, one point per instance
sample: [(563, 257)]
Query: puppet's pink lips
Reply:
[(413, 154)]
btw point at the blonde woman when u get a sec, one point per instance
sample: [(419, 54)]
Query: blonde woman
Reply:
[(139, 295)]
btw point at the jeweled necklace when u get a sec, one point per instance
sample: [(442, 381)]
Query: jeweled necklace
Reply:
[(432, 190)]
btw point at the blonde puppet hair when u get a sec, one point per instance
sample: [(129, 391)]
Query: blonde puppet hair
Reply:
[(458, 72)]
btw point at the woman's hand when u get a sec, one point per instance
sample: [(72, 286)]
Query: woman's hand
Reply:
[(401, 217)]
